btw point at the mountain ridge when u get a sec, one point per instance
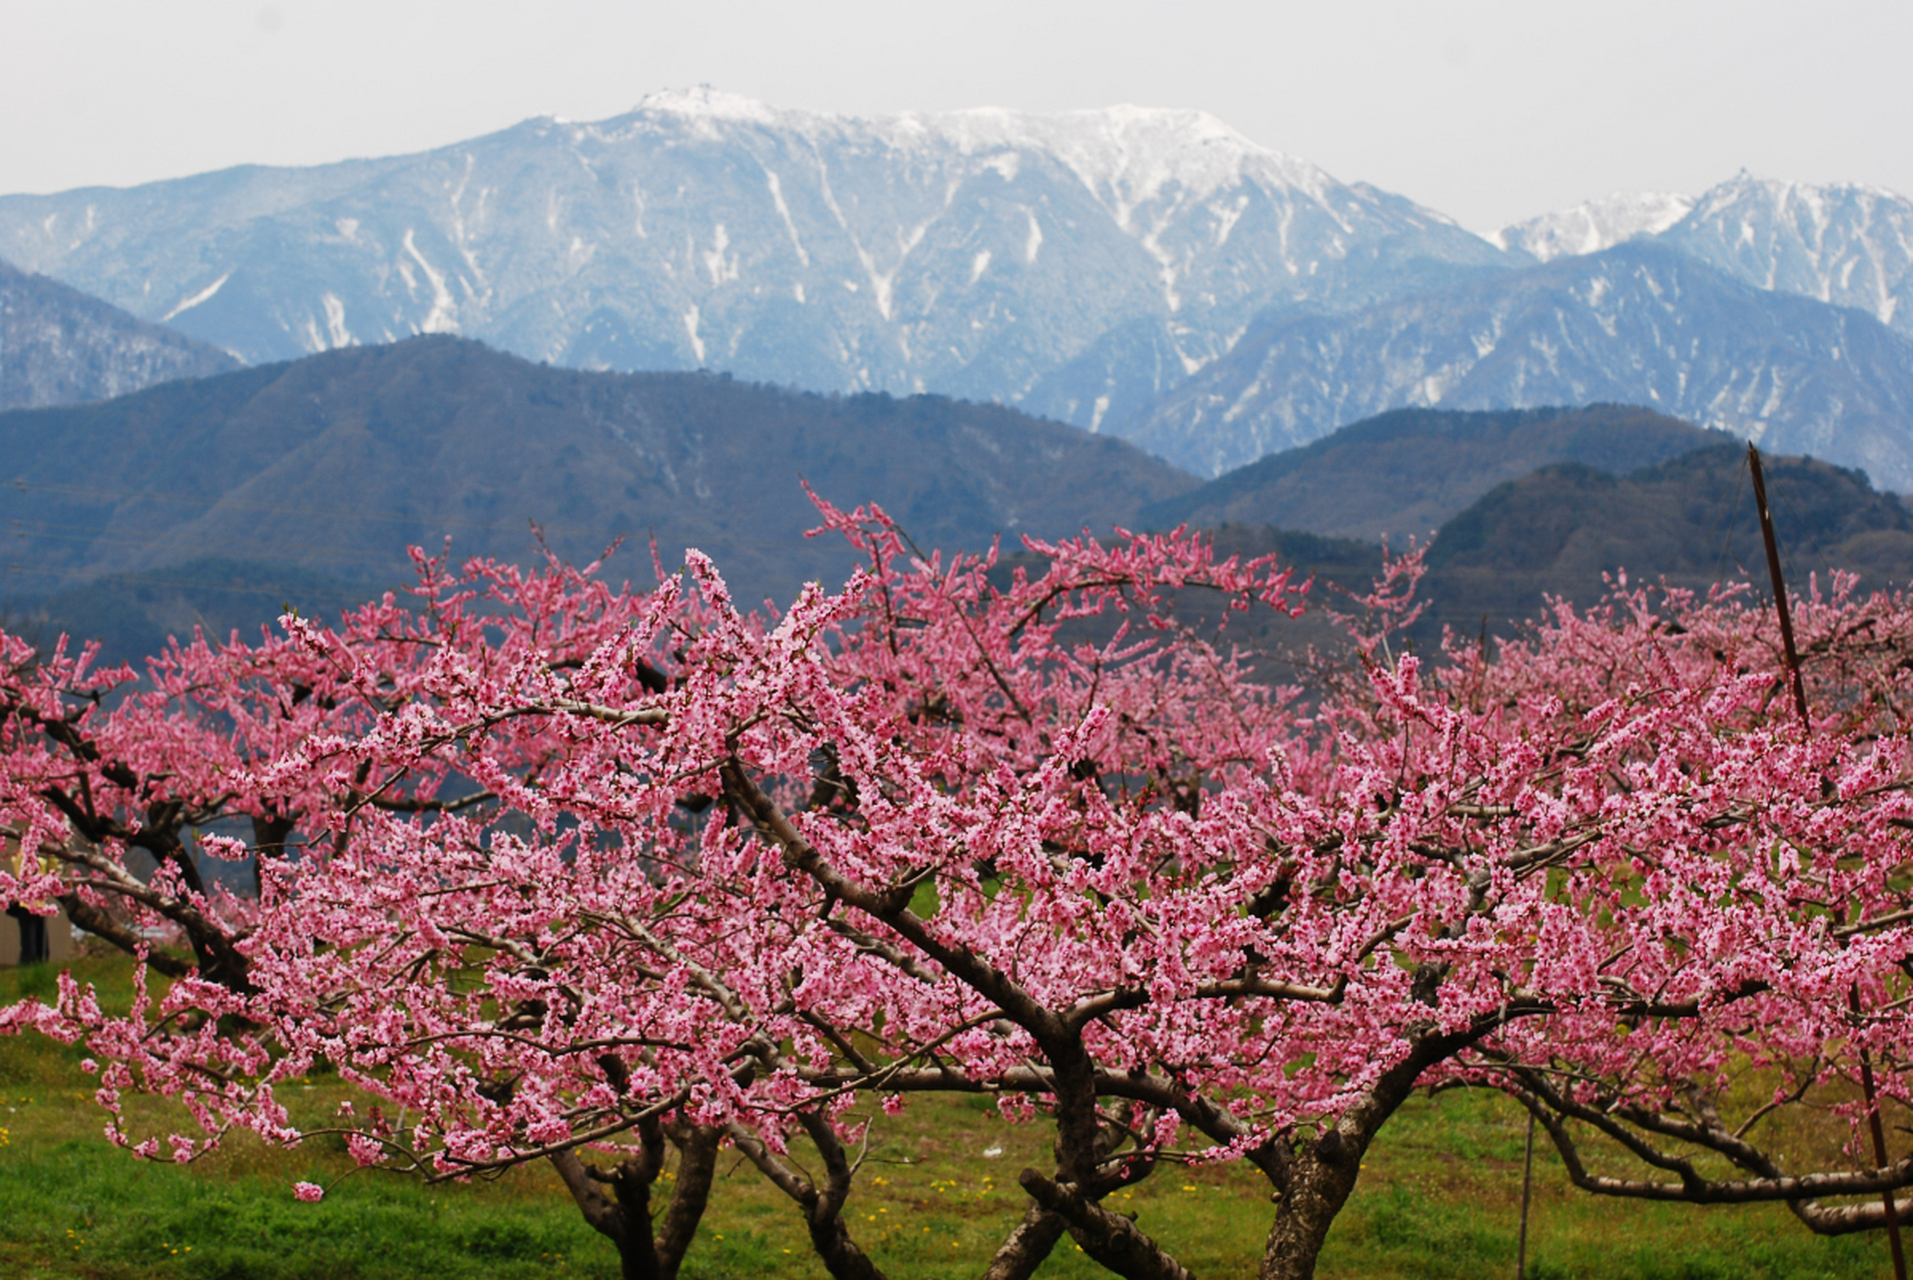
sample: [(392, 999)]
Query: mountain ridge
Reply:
[(61, 346), (1595, 225), (1100, 267), (1402, 474), (1639, 323), (1845, 243), (973, 254), (336, 463), (1687, 522)]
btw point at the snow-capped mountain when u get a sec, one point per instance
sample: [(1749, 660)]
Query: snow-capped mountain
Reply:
[(1848, 245), (1845, 244), (1101, 267), (1594, 226), (59, 346), (1075, 264), (1636, 324)]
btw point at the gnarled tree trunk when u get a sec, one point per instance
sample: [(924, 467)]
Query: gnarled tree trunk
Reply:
[(1319, 1182), (646, 1250)]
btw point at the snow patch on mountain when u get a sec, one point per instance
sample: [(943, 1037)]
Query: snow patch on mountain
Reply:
[(1846, 244), (187, 304), (59, 346)]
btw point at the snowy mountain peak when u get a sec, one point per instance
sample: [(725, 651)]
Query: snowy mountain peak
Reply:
[(703, 100), (1639, 323), (1124, 155), (1843, 243), (1809, 209), (1595, 225), (1131, 153)]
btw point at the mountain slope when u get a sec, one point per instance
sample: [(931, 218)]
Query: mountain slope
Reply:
[(59, 346), (334, 464), (986, 254), (1638, 323), (1404, 473), (1561, 530)]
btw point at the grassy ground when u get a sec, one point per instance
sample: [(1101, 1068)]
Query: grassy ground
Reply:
[(1440, 1197)]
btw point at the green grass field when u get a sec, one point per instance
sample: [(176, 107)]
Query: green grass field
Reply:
[(1440, 1197)]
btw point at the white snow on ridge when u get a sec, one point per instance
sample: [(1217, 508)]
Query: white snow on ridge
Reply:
[(1843, 243), (711, 103), (1128, 155), (618, 240), (443, 317), (1124, 155), (336, 332), (188, 304), (1596, 225)]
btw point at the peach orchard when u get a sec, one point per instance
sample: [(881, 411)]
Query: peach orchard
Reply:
[(612, 878)]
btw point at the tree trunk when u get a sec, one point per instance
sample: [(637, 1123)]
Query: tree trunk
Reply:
[(638, 1257), (1110, 1239), (269, 836), (697, 1166), (645, 1253), (838, 1252), (613, 1219), (1295, 1242), (1026, 1248), (1320, 1181)]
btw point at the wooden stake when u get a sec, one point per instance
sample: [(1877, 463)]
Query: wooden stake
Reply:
[(1806, 724), (1527, 1185), (1879, 1146)]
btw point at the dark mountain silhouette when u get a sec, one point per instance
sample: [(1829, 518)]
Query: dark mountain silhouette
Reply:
[(326, 469), (1563, 529), (224, 499), (1401, 474), (61, 346), (1689, 521)]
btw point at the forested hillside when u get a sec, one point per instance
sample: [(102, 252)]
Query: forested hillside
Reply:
[(60, 346), (1401, 474), (302, 477)]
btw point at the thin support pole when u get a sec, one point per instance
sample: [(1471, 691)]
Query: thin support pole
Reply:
[(1879, 1146), (1780, 589), (1806, 724), (1527, 1188)]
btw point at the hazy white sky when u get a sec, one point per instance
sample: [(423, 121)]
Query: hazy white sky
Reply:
[(1487, 110)]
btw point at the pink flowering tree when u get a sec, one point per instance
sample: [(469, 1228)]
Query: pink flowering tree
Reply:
[(1775, 851), (577, 875)]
